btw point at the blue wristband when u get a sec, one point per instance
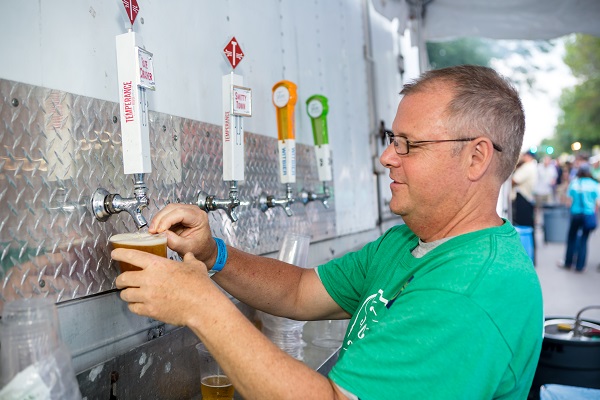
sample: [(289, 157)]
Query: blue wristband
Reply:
[(221, 257)]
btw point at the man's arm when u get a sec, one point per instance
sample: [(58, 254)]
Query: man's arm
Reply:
[(181, 293), (264, 283), (277, 288)]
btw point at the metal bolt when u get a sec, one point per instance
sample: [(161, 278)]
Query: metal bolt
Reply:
[(15, 102), (42, 283), (164, 128), (115, 119), (175, 137)]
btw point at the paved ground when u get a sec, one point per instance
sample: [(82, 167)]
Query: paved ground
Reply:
[(566, 292)]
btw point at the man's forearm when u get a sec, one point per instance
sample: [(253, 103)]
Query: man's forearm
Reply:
[(276, 287), (257, 368)]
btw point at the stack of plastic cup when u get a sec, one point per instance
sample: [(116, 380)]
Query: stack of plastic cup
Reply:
[(35, 362), (283, 332)]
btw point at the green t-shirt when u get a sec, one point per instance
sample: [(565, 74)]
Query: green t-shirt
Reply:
[(464, 321)]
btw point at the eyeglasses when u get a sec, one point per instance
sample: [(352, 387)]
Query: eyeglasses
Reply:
[(402, 144)]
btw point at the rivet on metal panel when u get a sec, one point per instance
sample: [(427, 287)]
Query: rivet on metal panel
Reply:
[(42, 283), (164, 128), (115, 119), (15, 102), (175, 137)]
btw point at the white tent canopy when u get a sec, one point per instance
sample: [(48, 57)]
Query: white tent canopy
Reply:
[(506, 19)]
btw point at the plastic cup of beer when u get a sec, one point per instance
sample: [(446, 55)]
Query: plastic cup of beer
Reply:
[(214, 384), (144, 241)]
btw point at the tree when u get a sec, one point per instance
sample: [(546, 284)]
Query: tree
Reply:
[(517, 54), (580, 105), (473, 51)]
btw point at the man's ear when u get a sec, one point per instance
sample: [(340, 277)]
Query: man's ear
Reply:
[(480, 157)]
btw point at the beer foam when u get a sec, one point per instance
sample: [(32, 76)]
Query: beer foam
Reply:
[(138, 238)]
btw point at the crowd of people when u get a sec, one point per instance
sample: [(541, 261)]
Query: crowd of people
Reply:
[(549, 182)]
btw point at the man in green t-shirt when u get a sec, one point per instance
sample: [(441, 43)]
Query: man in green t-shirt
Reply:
[(447, 306)]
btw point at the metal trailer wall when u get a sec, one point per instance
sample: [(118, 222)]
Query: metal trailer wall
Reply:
[(58, 93)]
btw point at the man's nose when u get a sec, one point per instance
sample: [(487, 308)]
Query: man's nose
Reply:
[(389, 158)]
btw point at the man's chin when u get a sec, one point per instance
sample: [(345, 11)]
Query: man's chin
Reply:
[(398, 210)]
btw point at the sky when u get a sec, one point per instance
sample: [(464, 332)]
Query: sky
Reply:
[(541, 105)]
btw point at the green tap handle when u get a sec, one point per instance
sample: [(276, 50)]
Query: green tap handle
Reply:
[(317, 109)]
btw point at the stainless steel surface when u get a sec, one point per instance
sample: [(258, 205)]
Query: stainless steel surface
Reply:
[(58, 148), (578, 329), (167, 368)]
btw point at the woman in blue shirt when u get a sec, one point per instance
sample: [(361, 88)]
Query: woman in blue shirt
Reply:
[(584, 195)]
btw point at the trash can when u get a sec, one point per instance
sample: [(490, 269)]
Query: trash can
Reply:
[(526, 234), (556, 223)]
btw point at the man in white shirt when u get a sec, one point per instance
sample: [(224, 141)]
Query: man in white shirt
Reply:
[(547, 175)]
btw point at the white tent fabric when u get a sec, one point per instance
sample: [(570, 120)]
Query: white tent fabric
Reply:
[(495, 19)]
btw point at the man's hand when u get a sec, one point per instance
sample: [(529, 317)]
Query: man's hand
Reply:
[(187, 230), (166, 290)]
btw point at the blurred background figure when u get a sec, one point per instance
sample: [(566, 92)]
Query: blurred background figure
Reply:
[(595, 167), (584, 197), (524, 181), (544, 188)]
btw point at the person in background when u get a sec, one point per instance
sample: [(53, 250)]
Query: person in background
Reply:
[(595, 167), (546, 179), (584, 198), (447, 305), (563, 183), (524, 181)]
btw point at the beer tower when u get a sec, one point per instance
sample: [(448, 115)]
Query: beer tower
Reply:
[(237, 103), (284, 100), (317, 109), (136, 76)]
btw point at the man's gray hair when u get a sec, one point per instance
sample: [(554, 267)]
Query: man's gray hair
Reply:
[(484, 104)]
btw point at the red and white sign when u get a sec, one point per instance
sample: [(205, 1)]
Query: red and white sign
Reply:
[(132, 8), (241, 101), (233, 52), (146, 69)]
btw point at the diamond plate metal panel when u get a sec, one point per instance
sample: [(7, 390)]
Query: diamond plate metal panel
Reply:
[(57, 148)]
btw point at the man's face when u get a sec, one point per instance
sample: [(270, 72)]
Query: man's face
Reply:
[(426, 182)]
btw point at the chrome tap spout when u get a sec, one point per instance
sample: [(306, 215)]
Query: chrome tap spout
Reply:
[(208, 202), (105, 204), (308, 196), (268, 201)]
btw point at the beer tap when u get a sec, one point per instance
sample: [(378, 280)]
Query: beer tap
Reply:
[(266, 201), (210, 203), (105, 204), (308, 196), (135, 74), (317, 109), (237, 103), (284, 100)]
